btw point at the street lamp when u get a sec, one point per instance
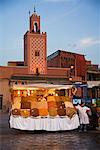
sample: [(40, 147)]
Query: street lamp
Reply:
[(70, 79), (71, 69)]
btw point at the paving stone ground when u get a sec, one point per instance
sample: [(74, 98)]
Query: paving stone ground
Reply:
[(11, 139)]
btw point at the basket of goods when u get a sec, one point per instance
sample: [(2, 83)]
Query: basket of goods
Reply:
[(52, 112), (50, 98), (61, 111), (34, 104), (34, 112), (16, 103), (70, 112), (25, 113), (24, 99), (42, 105), (15, 112), (57, 98), (43, 112), (60, 104), (25, 105), (68, 104), (52, 104)]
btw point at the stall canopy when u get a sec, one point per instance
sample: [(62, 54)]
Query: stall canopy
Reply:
[(93, 84), (40, 85)]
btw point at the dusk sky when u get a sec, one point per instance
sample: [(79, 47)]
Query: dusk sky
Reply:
[(71, 25)]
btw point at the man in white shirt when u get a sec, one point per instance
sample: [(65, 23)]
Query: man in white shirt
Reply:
[(83, 116)]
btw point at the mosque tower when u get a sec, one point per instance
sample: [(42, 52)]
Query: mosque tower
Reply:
[(35, 47)]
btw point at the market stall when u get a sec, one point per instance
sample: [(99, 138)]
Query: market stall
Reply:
[(42, 107)]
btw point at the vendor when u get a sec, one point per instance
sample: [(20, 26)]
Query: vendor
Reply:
[(83, 117)]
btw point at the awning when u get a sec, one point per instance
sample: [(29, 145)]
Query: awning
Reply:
[(93, 84), (40, 86)]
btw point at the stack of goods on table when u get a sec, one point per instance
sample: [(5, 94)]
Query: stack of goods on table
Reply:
[(39, 106)]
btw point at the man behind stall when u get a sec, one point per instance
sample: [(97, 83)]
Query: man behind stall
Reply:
[(83, 116)]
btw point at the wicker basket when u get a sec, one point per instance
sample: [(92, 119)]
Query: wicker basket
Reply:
[(52, 112), (52, 104), (34, 112), (61, 112), (70, 112), (43, 112), (25, 113), (15, 112)]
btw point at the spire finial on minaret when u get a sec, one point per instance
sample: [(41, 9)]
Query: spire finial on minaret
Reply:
[(34, 9)]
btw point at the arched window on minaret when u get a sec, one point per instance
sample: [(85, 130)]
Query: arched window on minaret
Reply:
[(35, 27)]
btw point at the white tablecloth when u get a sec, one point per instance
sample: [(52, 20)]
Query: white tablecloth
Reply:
[(47, 124)]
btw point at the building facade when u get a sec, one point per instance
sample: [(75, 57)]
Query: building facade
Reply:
[(75, 62), (93, 80)]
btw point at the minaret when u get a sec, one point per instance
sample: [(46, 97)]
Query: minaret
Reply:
[(35, 47)]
